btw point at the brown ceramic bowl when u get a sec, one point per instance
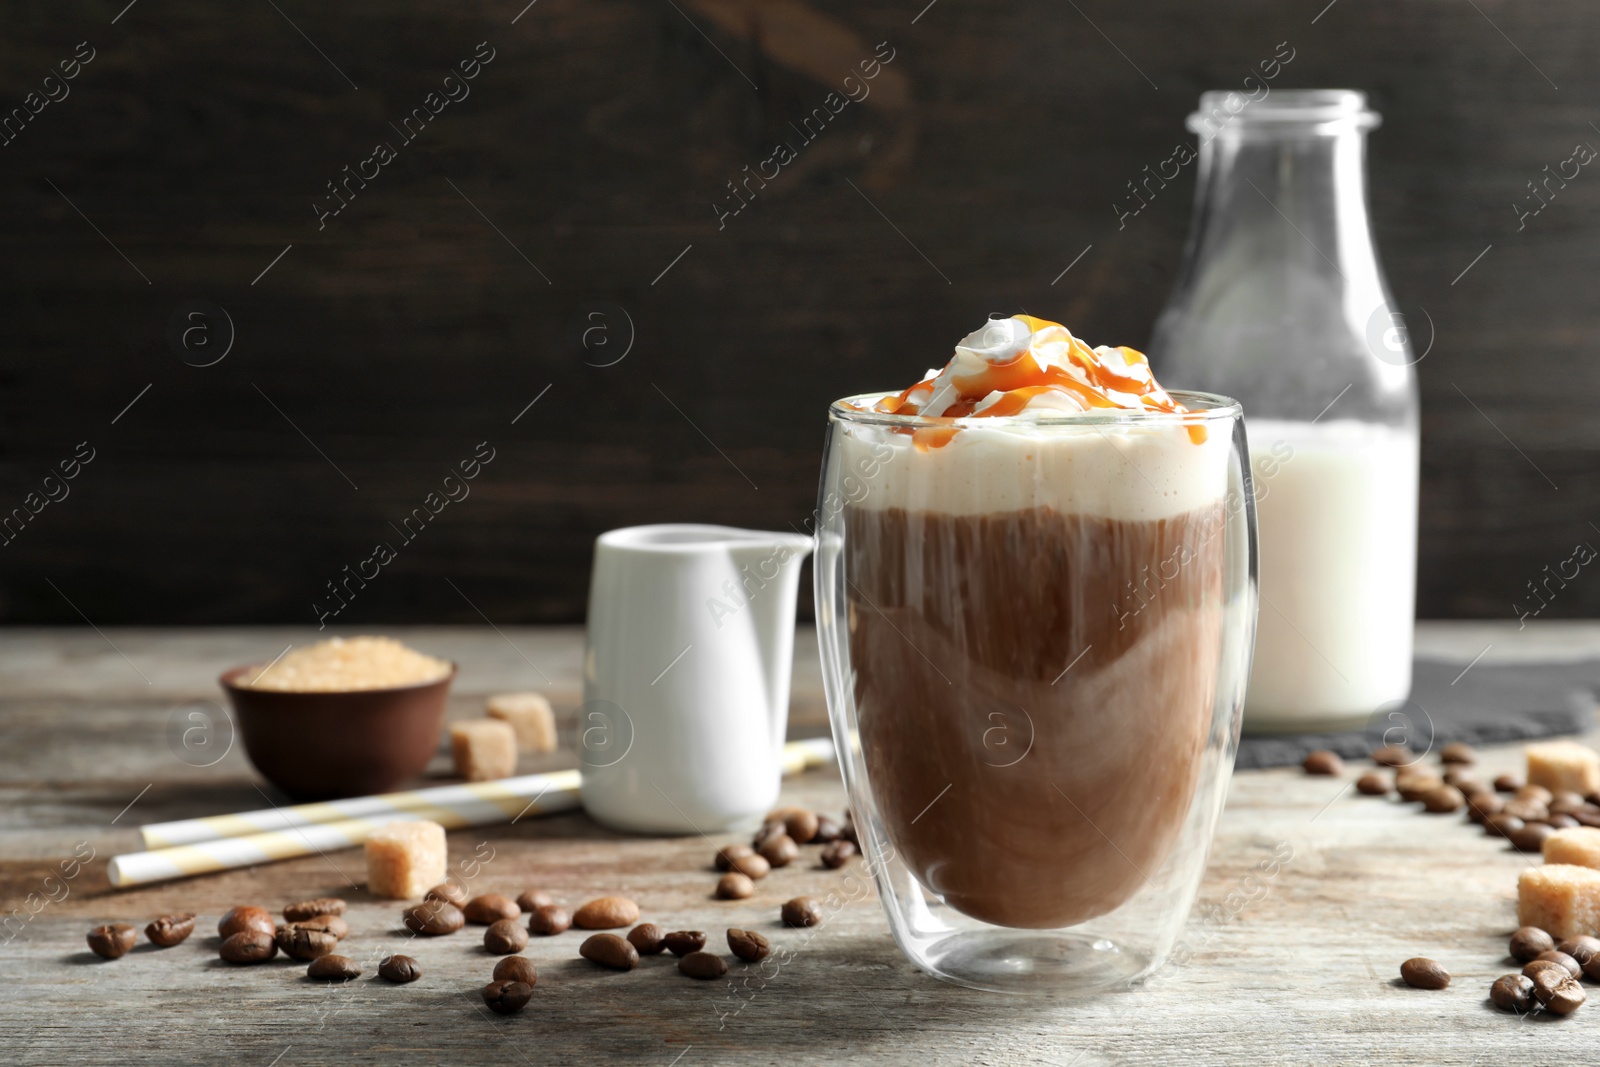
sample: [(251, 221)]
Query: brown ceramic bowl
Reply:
[(318, 746)]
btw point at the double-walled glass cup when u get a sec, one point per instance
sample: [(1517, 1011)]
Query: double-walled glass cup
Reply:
[(1035, 638)]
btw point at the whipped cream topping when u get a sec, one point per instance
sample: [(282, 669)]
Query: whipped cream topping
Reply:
[(1029, 366), (972, 461)]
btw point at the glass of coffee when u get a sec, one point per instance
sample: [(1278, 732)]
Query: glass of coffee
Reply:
[(1035, 590)]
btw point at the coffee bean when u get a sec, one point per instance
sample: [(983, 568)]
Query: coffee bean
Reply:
[(1443, 800), (748, 945), (752, 866), (1538, 794), (606, 913), (1582, 948), (779, 850), (1561, 822), (735, 886), (248, 946), (402, 969), (306, 909), (1558, 991), (1423, 973), (1566, 800), (1527, 810), (113, 940), (448, 892), (1556, 956), (328, 924), (1534, 967), (1482, 805), (609, 950), (769, 829), (1374, 784), (1461, 777), (1415, 785), (516, 969), (1393, 756), (334, 968), (534, 898), (1501, 824), (246, 917), (1588, 818), (301, 943), (1591, 968), (505, 937), (548, 920), (703, 965), (801, 911), (507, 998), (434, 918), (1562, 806), (490, 908), (838, 854), (1323, 762), (683, 942), (800, 824), (828, 831), (1512, 992), (1507, 783), (170, 930), (1457, 752), (1531, 837), (646, 937), (1528, 942), (727, 854)]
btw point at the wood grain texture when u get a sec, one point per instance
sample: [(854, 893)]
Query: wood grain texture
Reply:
[(425, 316), (1300, 968)]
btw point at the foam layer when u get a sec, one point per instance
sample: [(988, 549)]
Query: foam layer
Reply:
[(1132, 473)]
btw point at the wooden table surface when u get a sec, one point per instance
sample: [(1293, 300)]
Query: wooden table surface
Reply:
[(1299, 968)]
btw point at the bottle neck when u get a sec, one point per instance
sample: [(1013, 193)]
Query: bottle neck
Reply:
[(1297, 196), (1281, 300)]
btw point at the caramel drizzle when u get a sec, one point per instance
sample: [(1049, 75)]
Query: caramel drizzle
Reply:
[(1024, 378)]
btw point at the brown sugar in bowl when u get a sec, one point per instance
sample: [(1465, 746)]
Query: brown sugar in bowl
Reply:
[(324, 745)]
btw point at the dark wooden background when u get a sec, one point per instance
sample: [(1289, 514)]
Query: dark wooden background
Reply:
[(597, 141)]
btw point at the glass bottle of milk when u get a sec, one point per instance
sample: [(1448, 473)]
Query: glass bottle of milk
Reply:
[(1281, 303)]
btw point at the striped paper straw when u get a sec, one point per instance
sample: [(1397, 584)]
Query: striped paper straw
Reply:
[(164, 864), (467, 804), (223, 842)]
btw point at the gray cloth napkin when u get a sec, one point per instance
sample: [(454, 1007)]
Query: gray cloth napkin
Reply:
[(1487, 705)]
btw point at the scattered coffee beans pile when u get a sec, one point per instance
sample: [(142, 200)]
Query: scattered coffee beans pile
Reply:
[(312, 929), (777, 844), (1552, 975), (1522, 814)]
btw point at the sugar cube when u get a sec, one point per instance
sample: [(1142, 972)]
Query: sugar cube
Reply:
[(1560, 765), (1561, 899), (484, 749), (1577, 845), (404, 859), (530, 716)]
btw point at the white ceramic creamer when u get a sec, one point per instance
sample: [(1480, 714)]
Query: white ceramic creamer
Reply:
[(686, 676)]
